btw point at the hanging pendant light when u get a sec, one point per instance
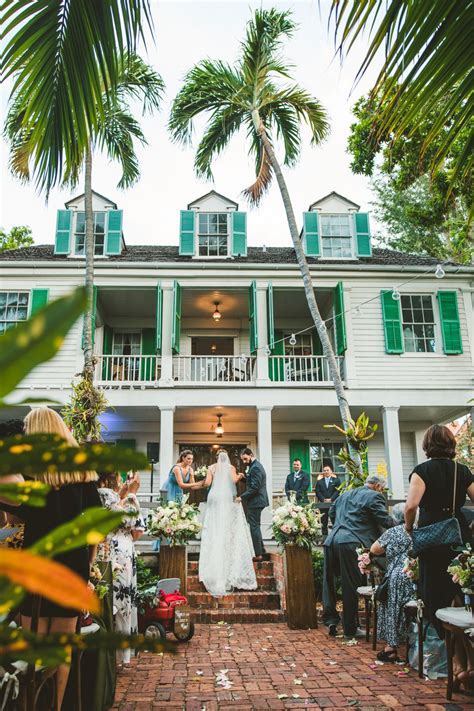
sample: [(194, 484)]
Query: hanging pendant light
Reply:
[(217, 314), (219, 428)]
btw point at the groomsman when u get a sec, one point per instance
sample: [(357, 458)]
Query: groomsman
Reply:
[(327, 491), (298, 482), (256, 498)]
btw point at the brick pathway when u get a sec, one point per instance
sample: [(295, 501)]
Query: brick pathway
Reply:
[(264, 661)]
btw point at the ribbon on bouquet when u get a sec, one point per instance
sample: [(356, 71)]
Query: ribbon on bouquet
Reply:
[(419, 610), (8, 681)]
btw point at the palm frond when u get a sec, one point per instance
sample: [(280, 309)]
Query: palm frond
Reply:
[(264, 173), (115, 136), (264, 36), (138, 80), (61, 55), (219, 130)]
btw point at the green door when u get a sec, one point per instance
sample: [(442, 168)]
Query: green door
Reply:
[(147, 368)]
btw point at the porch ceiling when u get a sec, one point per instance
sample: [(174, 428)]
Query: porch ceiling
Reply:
[(290, 302), (126, 302), (201, 303)]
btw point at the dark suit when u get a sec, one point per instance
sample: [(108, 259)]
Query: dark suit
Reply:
[(324, 491), (358, 518), (256, 498), (298, 484)]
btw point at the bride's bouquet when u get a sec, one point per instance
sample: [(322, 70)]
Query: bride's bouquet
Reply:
[(200, 474), (294, 524), (176, 520)]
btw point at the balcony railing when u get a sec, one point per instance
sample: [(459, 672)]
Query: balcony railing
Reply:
[(128, 369), (214, 370), (302, 369)]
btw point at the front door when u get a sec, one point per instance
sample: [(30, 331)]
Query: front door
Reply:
[(205, 454)]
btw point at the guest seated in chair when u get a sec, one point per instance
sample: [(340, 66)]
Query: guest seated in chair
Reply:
[(327, 491), (297, 482)]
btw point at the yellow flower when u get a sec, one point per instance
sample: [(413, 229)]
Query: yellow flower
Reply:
[(94, 537), (80, 458), (20, 448)]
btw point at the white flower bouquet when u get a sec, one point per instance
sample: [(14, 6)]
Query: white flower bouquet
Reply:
[(200, 474), (296, 524), (176, 521)]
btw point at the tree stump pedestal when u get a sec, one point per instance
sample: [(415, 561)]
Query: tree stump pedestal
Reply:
[(301, 610), (174, 564)]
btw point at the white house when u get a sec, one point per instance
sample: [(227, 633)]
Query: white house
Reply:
[(198, 335)]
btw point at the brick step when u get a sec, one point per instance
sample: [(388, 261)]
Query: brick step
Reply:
[(265, 567), (238, 615), (254, 599), (264, 582)]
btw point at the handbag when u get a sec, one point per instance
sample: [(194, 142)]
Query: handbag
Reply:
[(441, 533), (381, 592)]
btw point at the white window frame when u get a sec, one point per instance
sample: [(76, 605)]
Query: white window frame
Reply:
[(82, 255), (351, 220), (437, 328), (315, 442), (12, 324), (197, 235), (309, 335), (130, 331)]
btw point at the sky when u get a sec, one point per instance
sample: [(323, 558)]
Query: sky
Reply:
[(187, 32)]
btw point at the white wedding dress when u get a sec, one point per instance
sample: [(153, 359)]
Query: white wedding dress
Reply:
[(225, 560)]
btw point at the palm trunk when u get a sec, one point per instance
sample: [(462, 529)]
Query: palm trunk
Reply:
[(89, 276), (308, 287)]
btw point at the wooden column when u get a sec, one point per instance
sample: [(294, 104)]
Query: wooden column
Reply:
[(301, 610), (174, 564)]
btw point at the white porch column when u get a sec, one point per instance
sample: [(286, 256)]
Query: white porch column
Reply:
[(166, 379), (419, 453), (264, 432), (166, 441), (393, 450), (262, 358)]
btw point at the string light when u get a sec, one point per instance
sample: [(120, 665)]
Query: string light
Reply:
[(439, 273), (396, 296), (243, 359), (358, 311), (292, 340), (268, 351)]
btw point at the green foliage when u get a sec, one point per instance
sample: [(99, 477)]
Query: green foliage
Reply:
[(82, 413), (358, 433), (33, 455), (37, 340), (465, 444), (427, 70), (147, 581), (32, 493), (18, 237)]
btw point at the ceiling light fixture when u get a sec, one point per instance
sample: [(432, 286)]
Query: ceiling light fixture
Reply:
[(217, 314), (219, 428)]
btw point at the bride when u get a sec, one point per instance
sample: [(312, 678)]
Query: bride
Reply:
[(225, 561)]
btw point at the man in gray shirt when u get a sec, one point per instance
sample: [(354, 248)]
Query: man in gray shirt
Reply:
[(358, 518)]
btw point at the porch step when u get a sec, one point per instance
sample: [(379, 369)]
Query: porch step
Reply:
[(235, 615), (253, 600), (264, 567), (264, 582)]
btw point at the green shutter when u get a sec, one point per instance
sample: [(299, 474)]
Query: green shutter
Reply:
[(340, 319), (159, 318), (276, 369), (113, 237), (311, 234), (299, 449), (186, 232), (62, 244), (39, 298), (94, 313), (253, 317), (392, 323), (129, 444), (239, 234), (176, 332), (107, 350), (147, 370), (450, 326), (270, 317), (364, 247)]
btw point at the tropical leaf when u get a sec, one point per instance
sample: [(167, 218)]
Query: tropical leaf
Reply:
[(53, 649), (32, 493), (37, 340), (33, 455), (46, 578)]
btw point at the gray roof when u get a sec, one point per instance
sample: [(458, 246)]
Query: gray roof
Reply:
[(272, 255)]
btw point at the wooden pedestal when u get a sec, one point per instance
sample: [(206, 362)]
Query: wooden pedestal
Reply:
[(174, 564), (301, 610)]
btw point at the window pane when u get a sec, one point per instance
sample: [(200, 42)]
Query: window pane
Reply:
[(81, 222), (202, 223), (99, 222), (3, 298)]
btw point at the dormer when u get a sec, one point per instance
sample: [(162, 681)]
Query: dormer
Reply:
[(71, 228), (334, 228), (213, 228)]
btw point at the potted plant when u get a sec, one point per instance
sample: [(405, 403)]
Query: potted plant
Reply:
[(297, 528), (461, 570)]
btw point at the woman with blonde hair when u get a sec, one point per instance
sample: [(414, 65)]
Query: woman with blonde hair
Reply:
[(71, 493)]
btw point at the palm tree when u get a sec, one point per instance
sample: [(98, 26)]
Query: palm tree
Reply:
[(114, 133), (247, 95), (428, 58)]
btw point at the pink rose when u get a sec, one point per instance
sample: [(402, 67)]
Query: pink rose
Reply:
[(455, 578)]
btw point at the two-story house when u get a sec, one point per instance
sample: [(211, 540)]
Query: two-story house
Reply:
[(208, 342)]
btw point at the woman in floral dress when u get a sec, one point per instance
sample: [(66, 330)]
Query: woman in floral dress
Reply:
[(395, 543), (119, 549)]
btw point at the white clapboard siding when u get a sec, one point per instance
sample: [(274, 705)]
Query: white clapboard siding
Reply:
[(281, 460), (408, 455)]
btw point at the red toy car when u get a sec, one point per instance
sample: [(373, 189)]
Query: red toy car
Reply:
[(169, 613)]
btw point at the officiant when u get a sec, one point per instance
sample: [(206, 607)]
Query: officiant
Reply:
[(327, 491), (297, 482)]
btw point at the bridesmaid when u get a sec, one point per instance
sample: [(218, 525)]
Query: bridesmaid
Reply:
[(181, 477)]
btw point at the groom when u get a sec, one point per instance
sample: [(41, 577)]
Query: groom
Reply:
[(256, 498)]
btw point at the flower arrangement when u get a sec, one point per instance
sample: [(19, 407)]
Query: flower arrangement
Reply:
[(177, 521), (461, 569), (200, 474), (294, 524), (365, 561), (101, 587), (412, 569)]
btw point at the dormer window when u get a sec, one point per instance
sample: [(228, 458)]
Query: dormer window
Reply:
[(80, 234), (336, 234), (213, 234)]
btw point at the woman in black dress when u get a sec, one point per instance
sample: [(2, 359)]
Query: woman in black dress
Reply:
[(70, 495), (432, 489)]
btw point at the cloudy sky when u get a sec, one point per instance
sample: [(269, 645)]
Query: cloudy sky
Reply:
[(187, 32)]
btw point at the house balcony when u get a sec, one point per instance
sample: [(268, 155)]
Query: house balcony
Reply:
[(214, 370), (118, 370), (296, 370)]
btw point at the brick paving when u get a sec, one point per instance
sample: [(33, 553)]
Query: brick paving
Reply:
[(272, 667)]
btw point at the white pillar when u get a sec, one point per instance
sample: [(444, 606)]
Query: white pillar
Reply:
[(166, 379), (166, 441), (419, 452), (393, 450), (262, 358), (264, 430)]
